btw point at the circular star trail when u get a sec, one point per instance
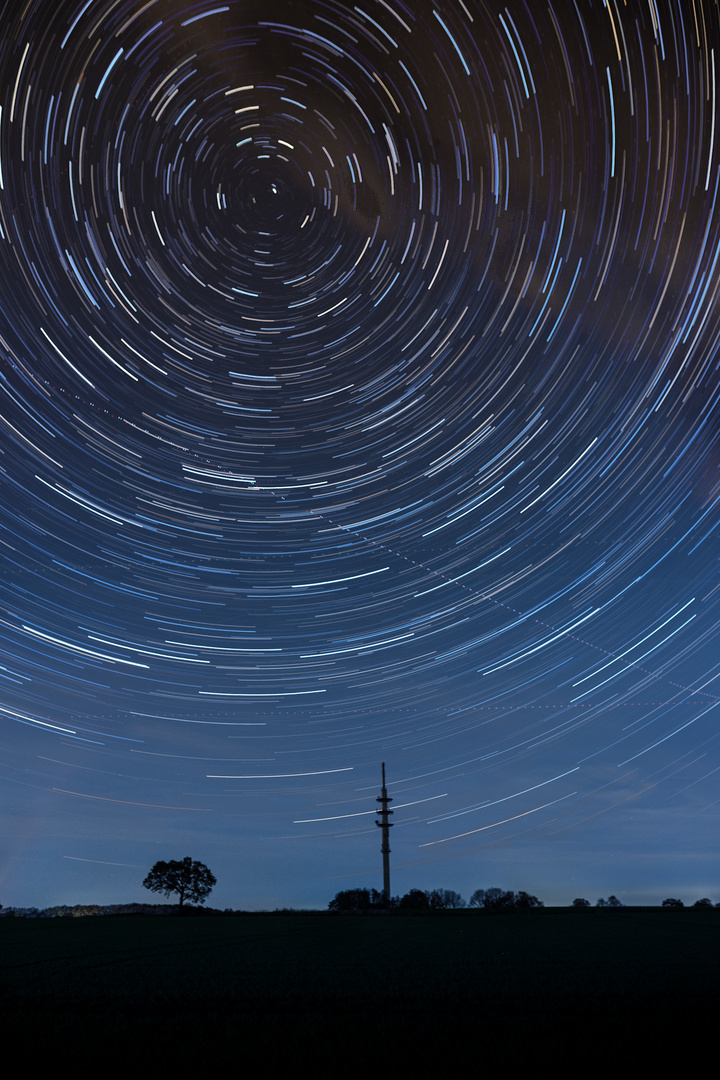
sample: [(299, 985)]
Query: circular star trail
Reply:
[(359, 402)]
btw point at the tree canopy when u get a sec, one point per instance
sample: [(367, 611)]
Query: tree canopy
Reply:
[(503, 899), (445, 899), (191, 880), (356, 900), (414, 900)]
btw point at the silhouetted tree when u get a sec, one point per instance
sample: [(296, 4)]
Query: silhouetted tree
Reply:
[(356, 900), (525, 900), (706, 902), (190, 880), (671, 902), (415, 900), (445, 899), (580, 902), (503, 898), (492, 898), (612, 901)]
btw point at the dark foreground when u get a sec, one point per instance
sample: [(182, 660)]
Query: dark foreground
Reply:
[(579, 990)]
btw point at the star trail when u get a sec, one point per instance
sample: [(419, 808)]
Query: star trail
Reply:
[(359, 402)]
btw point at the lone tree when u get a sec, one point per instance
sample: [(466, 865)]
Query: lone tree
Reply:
[(190, 880)]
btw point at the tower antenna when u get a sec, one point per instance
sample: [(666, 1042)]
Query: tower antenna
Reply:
[(385, 825)]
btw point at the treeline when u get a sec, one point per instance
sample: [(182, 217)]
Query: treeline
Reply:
[(349, 900), (432, 900), (81, 911), (494, 898)]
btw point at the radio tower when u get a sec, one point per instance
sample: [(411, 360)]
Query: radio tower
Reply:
[(385, 825)]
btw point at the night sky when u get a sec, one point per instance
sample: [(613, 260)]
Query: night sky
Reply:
[(359, 374)]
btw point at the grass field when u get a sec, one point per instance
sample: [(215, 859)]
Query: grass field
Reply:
[(170, 996)]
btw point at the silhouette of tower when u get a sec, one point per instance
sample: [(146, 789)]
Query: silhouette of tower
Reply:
[(385, 825)]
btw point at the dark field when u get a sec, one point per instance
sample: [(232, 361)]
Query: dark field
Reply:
[(581, 990)]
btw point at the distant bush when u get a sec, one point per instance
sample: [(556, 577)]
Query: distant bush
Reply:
[(580, 902), (671, 902), (64, 911), (704, 903)]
